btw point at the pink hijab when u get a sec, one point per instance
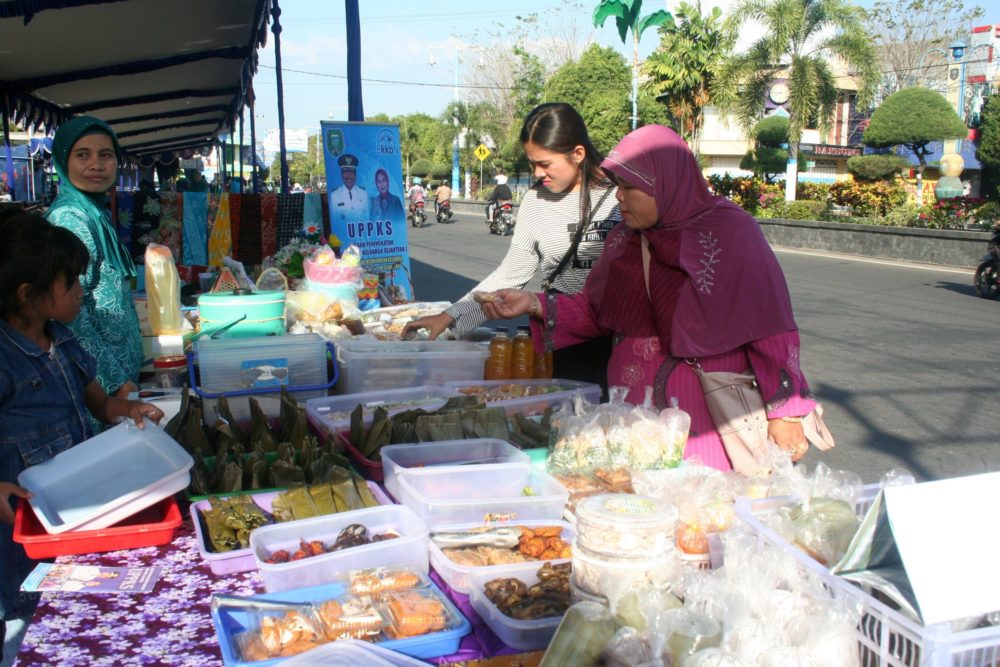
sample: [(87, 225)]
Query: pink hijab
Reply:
[(720, 289)]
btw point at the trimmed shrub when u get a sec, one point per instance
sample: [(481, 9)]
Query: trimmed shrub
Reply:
[(877, 167), (802, 209)]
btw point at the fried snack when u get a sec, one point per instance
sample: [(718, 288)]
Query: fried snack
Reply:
[(381, 579), (690, 539), (543, 543), (414, 613), (281, 637), (485, 297), (355, 618)]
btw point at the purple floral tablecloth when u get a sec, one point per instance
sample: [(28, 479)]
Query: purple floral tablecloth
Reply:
[(173, 624)]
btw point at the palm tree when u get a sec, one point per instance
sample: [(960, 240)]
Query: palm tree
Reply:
[(627, 17), (800, 39)]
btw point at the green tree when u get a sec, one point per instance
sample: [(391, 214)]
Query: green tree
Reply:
[(879, 167), (303, 168), (682, 69), (628, 18), (770, 156), (801, 38), (913, 118), (988, 151), (597, 85)]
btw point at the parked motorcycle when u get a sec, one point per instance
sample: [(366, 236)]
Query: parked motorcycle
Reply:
[(987, 280), (503, 218), (444, 211), (417, 215)]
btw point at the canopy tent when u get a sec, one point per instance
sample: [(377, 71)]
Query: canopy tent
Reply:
[(167, 76)]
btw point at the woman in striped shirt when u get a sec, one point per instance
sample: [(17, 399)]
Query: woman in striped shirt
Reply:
[(687, 277), (561, 226)]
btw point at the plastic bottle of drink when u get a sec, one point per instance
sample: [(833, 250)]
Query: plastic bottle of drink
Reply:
[(501, 350), (163, 291), (523, 355), (543, 365)]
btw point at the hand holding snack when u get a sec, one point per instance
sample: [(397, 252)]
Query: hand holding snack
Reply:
[(435, 325), (509, 303)]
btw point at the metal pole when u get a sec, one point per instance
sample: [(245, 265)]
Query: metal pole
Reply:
[(253, 150), (241, 152), (31, 166), (276, 29), (454, 149)]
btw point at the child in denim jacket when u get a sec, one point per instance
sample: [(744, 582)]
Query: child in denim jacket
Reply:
[(47, 380)]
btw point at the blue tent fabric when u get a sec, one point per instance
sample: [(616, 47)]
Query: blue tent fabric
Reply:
[(355, 107), (195, 234)]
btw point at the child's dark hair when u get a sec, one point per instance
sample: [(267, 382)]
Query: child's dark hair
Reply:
[(559, 127), (36, 252)]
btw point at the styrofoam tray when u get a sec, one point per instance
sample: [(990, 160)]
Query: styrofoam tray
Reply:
[(522, 635), (107, 478), (241, 560), (457, 576)]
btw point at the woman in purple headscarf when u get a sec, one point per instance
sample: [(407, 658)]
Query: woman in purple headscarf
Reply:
[(715, 293)]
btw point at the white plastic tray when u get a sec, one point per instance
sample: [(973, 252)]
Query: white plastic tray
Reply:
[(352, 653), (522, 635), (332, 414), (107, 478)]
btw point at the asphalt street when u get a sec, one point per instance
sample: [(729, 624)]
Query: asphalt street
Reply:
[(904, 358)]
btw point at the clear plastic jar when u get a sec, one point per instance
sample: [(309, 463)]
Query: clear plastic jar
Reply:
[(170, 371)]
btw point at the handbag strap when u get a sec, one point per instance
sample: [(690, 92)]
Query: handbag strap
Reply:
[(645, 263), (577, 237)]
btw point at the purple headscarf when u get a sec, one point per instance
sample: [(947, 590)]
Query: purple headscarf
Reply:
[(714, 284)]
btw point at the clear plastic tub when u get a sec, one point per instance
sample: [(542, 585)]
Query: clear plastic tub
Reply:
[(107, 478), (550, 393), (445, 452), (591, 571), (367, 366), (623, 526), (458, 576), (332, 414), (352, 653), (242, 560), (408, 549), (489, 492), (522, 635), (231, 623)]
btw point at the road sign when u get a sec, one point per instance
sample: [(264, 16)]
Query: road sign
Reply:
[(481, 152)]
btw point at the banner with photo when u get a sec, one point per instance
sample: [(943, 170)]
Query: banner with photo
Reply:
[(364, 177)]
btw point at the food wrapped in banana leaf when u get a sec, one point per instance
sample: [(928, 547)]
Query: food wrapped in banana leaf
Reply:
[(364, 493), (441, 426), (248, 463), (285, 452), (200, 477), (227, 441), (285, 475), (294, 504), (225, 414), (177, 423), (489, 423), (307, 451), (232, 476), (229, 522), (461, 403), (322, 467), (259, 473), (260, 430), (298, 428), (287, 409), (345, 495), (193, 438), (357, 432), (322, 495), (378, 433)]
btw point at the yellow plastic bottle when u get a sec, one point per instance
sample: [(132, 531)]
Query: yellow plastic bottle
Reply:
[(543, 365), (523, 355), (163, 290), (499, 362)]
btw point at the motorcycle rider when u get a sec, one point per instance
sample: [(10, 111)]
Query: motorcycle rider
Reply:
[(500, 193), (443, 194), (416, 193)]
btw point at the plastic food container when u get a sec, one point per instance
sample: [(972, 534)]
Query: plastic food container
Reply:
[(489, 492), (458, 576), (408, 549), (330, 415), (552, 392), (150, 527), (241, 560), (591, 572), (107, 478), (379, 365), (246, 313), (260, 365), (522, 635), (231, 623), (352, 653), (625, 526), (170, 372), (445, 452)]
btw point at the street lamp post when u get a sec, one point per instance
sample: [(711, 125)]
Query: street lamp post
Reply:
[(455, 168)]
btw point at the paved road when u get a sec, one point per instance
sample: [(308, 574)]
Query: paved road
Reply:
[(904, 358)]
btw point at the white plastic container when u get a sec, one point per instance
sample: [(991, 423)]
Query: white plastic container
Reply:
[(458, 576), (522, 635), (489, 492), (886, 637), (351, 653), (445, 452), (592, 572), (332, 414), (107, 478), (625, 526), (536, 404), (260, 362), (367, 365), (408, 549)]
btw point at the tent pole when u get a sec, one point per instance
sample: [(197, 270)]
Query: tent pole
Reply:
[(6, 147), (276, 29), (241, 149), (253, 150)]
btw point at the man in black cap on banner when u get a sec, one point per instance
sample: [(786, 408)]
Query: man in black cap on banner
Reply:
[(349, 202)]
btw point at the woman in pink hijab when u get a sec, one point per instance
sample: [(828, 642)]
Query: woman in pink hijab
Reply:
[(715, 293)]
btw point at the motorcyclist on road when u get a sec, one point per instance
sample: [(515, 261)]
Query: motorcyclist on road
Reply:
[(443, 193), (416, 193), (500, 193)]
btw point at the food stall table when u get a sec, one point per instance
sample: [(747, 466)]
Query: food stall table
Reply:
[(172, 625)]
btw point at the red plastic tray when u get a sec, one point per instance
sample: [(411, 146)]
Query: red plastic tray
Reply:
[(369, 469), (152, 526)]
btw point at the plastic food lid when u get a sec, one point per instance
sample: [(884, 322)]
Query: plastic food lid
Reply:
[(165, 363), (626, 511)]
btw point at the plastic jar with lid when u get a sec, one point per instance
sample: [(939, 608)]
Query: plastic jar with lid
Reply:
[(170, 371), (625, 526)]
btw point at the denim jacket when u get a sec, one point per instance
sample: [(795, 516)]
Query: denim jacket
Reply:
[(42, 406)]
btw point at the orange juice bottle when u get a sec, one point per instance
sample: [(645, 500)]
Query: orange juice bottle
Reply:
[(499, 361), (523, 355), (543, 365)]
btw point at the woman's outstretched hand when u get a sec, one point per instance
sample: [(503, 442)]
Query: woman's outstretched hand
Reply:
[(509, 303), (435, 325)]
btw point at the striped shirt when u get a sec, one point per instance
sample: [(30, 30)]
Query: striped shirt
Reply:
[(546, 222)]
